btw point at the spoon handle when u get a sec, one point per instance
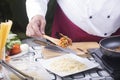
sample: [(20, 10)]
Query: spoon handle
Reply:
[(53, 40)]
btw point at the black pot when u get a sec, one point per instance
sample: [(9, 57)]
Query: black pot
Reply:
[(108, 46)]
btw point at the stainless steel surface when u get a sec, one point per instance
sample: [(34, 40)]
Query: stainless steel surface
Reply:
[(94, 74), (18, 73), (52, 46)]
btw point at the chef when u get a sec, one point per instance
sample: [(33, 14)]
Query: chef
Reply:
[(81, 20)]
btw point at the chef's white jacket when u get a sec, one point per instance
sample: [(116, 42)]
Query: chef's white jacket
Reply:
[(96, 17)]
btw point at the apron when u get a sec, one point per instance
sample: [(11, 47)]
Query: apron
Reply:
[(61, 24)]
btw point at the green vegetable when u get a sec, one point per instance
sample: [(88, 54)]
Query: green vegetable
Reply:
[(12, 39)]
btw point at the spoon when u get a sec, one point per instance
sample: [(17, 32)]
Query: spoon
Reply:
[(53, 40)]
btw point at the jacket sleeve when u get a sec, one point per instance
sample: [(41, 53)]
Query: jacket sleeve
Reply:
[(36, 7)]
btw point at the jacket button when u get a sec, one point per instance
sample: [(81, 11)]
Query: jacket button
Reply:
[(105, 33), (90, 17), (108, 16)]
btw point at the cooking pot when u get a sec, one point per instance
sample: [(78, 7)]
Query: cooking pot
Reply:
[(109, 45)]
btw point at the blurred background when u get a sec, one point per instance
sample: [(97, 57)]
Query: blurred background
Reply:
[(15, 10)]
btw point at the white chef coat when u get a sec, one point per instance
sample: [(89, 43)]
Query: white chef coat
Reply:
[(96, 17)]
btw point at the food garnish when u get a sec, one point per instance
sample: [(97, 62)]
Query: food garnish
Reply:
[(15, 49), (13, 44), (65, 41)]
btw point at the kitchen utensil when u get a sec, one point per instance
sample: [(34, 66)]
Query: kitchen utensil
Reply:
[(108, 46), (82, 50), (43, 43), (53, 40), (18, 73), (51, 46), (64, 41)]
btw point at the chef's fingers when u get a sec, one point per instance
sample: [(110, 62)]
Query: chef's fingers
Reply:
[(36, 26), (36, 29), (42, 26), (29, 31)]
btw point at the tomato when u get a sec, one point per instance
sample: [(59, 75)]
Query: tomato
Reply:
[(15, 49)]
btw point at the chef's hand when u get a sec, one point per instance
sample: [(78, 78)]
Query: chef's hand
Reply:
[(36, 27)]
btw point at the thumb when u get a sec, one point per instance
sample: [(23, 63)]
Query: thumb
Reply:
[(42, 28), (43, 23)]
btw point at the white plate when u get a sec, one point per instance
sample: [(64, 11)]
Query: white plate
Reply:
[(24, 50), (89, 64), (19, 54)]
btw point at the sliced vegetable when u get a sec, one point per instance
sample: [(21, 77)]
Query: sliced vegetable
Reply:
[(15, 49)]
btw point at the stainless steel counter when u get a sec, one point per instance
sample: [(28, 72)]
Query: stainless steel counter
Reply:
[(94, 74)]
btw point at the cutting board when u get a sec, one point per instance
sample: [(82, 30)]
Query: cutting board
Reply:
[(79, 47)]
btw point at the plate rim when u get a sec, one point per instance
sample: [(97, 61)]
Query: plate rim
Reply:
[(94, 65), (19, 54)]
